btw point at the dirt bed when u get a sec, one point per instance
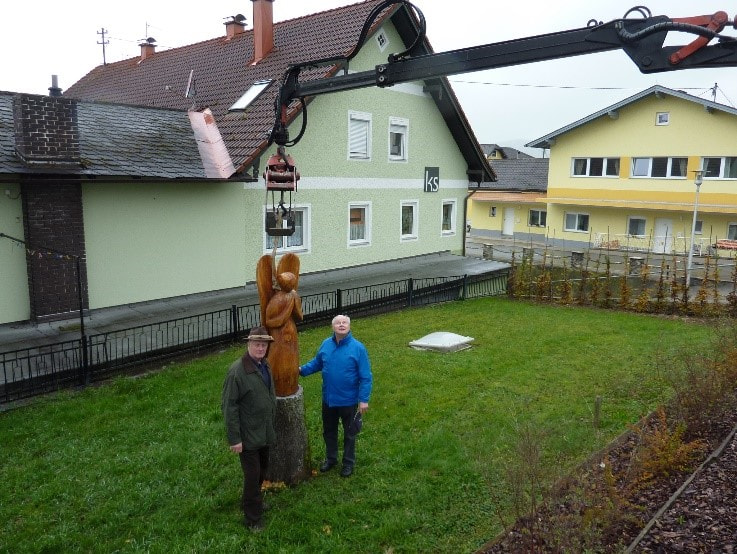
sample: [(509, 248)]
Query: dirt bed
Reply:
[(601, 510)]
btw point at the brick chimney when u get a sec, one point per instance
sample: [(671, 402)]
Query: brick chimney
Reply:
[(148, 47), (263, 29), (235, 26), (46, 131)]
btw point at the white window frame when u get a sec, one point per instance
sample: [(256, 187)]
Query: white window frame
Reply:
[(398, 126), (722, 166), (414, 234), (646, 164), (306, 245), (453, 203), (604, 166), (638, 218), (366, 240), (359, 122), (253, 92), (578, 215), (662, 118), (539, 213)]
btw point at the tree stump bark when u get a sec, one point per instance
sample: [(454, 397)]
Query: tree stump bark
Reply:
[(289, 459)]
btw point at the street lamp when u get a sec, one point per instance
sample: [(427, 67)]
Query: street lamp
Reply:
[(698, 179)]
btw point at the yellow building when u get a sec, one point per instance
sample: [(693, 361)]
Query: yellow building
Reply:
[(514, 206), (625, 177)]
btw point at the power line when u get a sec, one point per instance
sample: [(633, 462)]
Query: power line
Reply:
[(563, 87)]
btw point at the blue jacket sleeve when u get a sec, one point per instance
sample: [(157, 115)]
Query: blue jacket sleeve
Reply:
[(365, 378), (314, 365)]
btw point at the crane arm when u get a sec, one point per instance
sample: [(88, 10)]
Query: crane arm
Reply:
[(642, 39)]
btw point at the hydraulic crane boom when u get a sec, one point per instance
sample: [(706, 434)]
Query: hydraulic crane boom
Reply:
[(642, 38)]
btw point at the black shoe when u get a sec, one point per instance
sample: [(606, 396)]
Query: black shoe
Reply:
[(346, 471), (327, 465), (254, 526)]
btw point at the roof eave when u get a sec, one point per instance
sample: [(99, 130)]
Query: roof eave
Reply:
[(549, 140), (479, 170)]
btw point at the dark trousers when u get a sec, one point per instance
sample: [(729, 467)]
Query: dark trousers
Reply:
[(330, 418), (254, 464)]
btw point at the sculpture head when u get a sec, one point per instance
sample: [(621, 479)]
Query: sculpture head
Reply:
[(287, 281)]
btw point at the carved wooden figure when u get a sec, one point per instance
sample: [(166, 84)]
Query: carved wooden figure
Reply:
[(281, 308)]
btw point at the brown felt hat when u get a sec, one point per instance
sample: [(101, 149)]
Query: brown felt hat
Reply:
[(259, 333)]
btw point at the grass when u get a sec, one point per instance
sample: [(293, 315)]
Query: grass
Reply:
[(141, 464)]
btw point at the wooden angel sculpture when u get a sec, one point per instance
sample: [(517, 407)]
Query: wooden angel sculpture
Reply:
[(281, 308)]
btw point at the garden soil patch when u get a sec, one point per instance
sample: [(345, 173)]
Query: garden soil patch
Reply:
[(601, 509)]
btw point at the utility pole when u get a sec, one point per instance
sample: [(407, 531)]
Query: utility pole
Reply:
[(104, 42)]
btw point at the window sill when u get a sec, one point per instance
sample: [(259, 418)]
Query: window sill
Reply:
[(408, 238), (359, 244), (287, 250)]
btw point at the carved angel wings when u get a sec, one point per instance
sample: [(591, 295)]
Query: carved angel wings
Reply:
[(266, 272)]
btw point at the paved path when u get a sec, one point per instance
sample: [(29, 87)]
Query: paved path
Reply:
[(443, 264)]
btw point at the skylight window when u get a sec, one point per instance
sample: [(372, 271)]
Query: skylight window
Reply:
[(250, 95)]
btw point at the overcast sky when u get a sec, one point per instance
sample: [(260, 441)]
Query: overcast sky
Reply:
[(509, 106)]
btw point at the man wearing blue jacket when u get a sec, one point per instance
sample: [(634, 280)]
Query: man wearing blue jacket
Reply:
[(346, 388)]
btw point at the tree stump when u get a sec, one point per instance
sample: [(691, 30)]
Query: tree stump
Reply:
[(289, 459)]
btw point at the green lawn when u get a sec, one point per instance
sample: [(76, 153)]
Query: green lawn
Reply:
[(141, 464)]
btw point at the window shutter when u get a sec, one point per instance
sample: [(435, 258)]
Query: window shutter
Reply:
[(358, 138)]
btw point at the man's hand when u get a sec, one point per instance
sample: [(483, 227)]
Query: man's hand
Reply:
[(237, 448), (363, 406)]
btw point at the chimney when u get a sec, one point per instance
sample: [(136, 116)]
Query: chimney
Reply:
[(235, 26), (46, 131), (148, 47), (263, 29), (54, 89)]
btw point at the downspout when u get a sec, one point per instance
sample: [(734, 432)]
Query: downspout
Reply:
[(465, 218)]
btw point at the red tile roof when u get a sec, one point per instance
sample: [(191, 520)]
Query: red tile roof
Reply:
[(222, 73)]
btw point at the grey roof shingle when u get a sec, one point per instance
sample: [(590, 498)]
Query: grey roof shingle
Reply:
[(520, 175), (115, 141)]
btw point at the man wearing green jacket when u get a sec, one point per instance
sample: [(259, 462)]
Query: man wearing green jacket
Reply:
[(249, 409)]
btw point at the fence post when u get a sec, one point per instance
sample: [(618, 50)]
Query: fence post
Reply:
[(85, 360), (463, 292), (234, 323), (410, 284), (338, 302)]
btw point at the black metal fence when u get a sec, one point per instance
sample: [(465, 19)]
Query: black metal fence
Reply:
[(33, 371)]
